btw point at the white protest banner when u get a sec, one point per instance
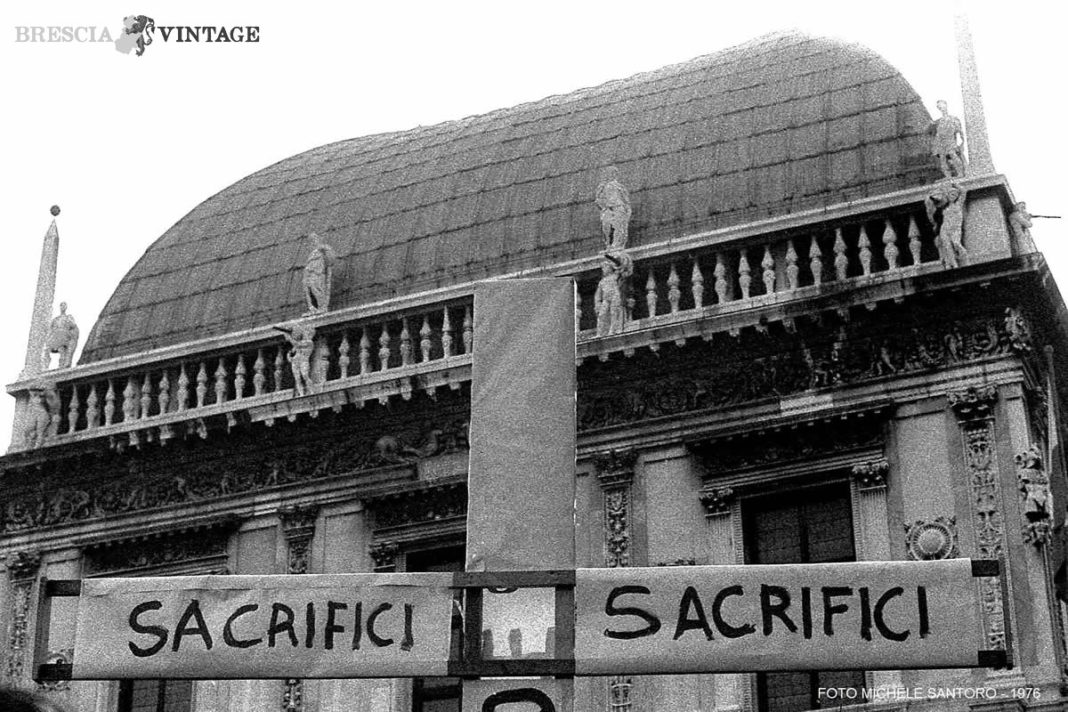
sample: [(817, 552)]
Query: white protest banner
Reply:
[(218, 627), (867, 616)]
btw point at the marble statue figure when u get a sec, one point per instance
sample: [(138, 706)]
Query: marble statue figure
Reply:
[(63, 336), (614, 201), (319, 275)]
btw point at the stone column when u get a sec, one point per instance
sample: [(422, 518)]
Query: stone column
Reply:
[(22, 570), (615, 474), (298, 526), (723, 517)]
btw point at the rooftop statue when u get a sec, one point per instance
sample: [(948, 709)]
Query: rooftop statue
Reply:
[(945, 211), (614, 201), (609, 300), (319, 275), (1020, 222), (301, 340), (63, 336), (42, 421), (945, 146)]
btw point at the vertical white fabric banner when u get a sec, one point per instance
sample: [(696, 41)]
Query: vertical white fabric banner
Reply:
[(521, 486)]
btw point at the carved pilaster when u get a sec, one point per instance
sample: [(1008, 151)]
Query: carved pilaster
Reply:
[(22, 569), (298, 525), (384, 555), (615, 473), (871, 475), (975, 408), (1034, 489)]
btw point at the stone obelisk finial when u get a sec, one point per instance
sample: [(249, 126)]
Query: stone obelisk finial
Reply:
[(36, 356), (979, 159)]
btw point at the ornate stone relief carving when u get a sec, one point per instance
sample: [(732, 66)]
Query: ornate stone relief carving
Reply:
[(419, 506), (157, 552), (787, 364), (974, 407), (22, 569), (1034, 488), (929, 540), (298, 525), (717, 501), (384, 556), (207, 479), (871, 475)]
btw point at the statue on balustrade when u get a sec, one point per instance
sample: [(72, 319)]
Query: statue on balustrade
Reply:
[(63, 336), (319, 275), (610, 300), (42, 415), (614, 201), (301, 338), (945, 211), (1020, 222), (947, 142)]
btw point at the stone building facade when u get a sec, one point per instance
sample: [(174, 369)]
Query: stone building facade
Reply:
[(799, 341)]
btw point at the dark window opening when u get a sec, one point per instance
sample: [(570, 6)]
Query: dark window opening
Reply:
[(437, 694)]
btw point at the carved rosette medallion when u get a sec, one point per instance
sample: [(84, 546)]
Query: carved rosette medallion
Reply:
[(871, 475), (298, 525), (974, 407), (615, 473), (932, 540), (22, 569), (384, 556)]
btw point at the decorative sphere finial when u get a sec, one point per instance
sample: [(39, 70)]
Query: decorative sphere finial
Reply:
[(54, 210)]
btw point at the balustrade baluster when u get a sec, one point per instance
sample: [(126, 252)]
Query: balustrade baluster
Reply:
[(864, 246), (259, 378), (890, 251), (383, 348), (841, 262), (469, 331), (92, 409), (697, 284), (365, 351), (719, 278), (146, 396), (129, 400), (425, 343), (674, 295), (815, 260), (164, 397), (202, 385), (72, 412), (279, 368), (239, 377), (792, 270), (744, 280), (915, 247), (109, 404), (768, 263), (405, 343), (220, 382), (650, 294), (343, 359), (183, 388), (446, 334)]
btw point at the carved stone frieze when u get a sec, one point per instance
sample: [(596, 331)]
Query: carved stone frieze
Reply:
[(871, 475), (930, 540), (157, 552), (788, 364), (717, 500), (973, 402), (205, 479), (384, 555), (422, 506), (1034, 488)]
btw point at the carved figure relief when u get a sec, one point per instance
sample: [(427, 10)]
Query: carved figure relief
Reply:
[(301, 338), (614, 201), (610, 298), (1034, 487), (62, 336), (930, 540), (319, 275), (945, 211), (42, 415), (947, 142)]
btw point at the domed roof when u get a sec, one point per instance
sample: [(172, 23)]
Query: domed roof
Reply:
[(780, 124)]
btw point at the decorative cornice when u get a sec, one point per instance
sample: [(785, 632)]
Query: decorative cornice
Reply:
[(871, 475), (716, 500), (418, 506), (22, 565), (615, 468), (973, 402)]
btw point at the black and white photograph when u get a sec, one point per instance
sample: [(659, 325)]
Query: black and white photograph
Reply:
[(487, 357)]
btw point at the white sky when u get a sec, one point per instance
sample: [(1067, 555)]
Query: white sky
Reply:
[(127, 145)]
